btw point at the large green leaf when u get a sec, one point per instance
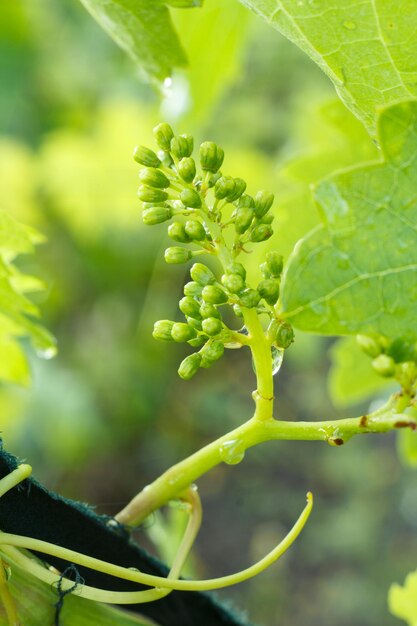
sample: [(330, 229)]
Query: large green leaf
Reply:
[(330, 137), (213, 66), (368, 48), (356, 273), (144, 30), (36, 605)]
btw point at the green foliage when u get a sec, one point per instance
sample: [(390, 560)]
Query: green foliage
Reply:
[(223, 26), (17, 313), (144, 30), (342, 38), (345, 252), (351, 378), (89, 192), (36, 601), (328, 137), (402, 601)]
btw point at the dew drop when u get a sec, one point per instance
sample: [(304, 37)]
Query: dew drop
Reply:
[(232, 452), (350, 25), (46, 353), (277, 358)]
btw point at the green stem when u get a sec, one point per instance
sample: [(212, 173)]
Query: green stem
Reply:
[(262, 361), (231, 447)]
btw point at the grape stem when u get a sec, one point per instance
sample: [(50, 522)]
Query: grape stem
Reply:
[(255, 431)]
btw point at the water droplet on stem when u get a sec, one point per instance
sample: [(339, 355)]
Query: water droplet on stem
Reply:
[(232, 452), (277, 358)]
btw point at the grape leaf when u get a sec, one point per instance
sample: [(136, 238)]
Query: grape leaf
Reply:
[(351, 377), (220, 61), (330, 137), (368, 48), (356, 273), (144, 30), (17, 313), (402, 601)]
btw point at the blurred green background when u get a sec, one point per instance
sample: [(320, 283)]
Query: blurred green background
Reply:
[(109, 413)]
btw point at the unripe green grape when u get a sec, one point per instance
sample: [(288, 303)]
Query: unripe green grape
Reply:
[(249, 298), (223, 187), (267, 219), (233, 282), (384, 365), (156, 215), (214, 294), (402, 350), (190, 198), (406, 373), (189, 306), (153, 177), (175, 254), (263, 202), (236, 268), (262, 232), (182, 146), (182, 332), (209, 310), (211, 156), (197, 342), (212, 326), (186, 169), (281, 334), (369, 345), (189, 366), (246, 201), (194, 323), (239, 188), (176, 231), (202, 274), (163, 134), (162, 330), (145, 156), (269, 290), (243, 219), (149, 194), (193, 289), (265, 271), (211, 353), (195, 230), (275, 263)]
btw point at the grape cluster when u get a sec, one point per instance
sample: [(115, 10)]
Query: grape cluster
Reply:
[(199, 205)]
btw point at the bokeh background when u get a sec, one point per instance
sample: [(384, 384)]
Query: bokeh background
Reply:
[(109, 413)]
